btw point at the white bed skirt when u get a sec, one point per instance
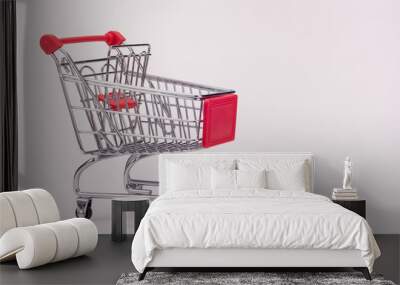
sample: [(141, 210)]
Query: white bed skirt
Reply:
[(193, 257)]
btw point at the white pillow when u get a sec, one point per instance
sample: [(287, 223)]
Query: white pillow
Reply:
[(186, 174), (290, 178), (223, 179), (182, 177), (251, 178), (237, 179), (282, 174)]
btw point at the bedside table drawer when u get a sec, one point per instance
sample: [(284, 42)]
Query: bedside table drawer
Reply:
[(357, 206)]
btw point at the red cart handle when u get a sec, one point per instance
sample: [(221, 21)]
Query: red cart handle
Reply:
[(51, 43)]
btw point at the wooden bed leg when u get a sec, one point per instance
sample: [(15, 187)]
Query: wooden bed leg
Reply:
[(364, 271), (366, 274), (142, 275)]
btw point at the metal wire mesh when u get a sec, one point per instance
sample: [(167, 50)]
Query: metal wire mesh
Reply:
[(115, 106)]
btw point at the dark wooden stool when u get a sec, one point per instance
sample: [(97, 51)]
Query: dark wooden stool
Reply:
[(119, 206)]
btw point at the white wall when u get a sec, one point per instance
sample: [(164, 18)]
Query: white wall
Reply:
[(319, 76)]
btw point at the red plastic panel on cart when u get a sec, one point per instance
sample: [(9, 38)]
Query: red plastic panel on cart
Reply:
[(219, 119)]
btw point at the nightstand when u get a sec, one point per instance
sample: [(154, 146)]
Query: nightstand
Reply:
[(120, 206), (357, 206)]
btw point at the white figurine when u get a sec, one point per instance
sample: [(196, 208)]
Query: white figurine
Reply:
[(347, 174)]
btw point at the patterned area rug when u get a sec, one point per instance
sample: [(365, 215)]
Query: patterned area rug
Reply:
[(269, 278)]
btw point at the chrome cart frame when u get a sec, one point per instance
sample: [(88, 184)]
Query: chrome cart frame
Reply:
[(117, 108)]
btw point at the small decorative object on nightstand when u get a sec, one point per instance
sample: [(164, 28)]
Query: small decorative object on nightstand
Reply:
[(347, 196), (122, 223), (347, 192), (357, 206), (347, 177), (344, 194)]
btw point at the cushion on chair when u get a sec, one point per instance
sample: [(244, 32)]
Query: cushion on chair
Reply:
[(23, 208), (32, 246), (67, 237), (40, 244), (27, 208), (87, 235), (45, 206), (7, 220)]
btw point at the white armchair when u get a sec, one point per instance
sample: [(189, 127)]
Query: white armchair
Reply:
[(31, 230)]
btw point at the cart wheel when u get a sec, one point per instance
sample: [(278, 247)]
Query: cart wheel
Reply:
[(88, 214), (83, 208)]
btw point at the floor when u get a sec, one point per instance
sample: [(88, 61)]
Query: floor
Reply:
[(110, 260), (103, 266)]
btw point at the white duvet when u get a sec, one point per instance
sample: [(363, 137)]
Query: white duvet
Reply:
[(250, 219)]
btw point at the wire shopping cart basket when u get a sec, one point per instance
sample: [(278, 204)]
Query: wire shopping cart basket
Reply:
[(117, 108)]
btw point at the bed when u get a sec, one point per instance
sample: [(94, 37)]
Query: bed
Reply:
[(245, 210)]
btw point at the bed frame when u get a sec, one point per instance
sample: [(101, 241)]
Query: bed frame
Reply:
[(237, 259), (245, 259)]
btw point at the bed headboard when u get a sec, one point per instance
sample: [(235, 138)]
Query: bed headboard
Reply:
[(164, 159)]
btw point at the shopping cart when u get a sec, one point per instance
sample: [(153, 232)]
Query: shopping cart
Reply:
[(117, 108)]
